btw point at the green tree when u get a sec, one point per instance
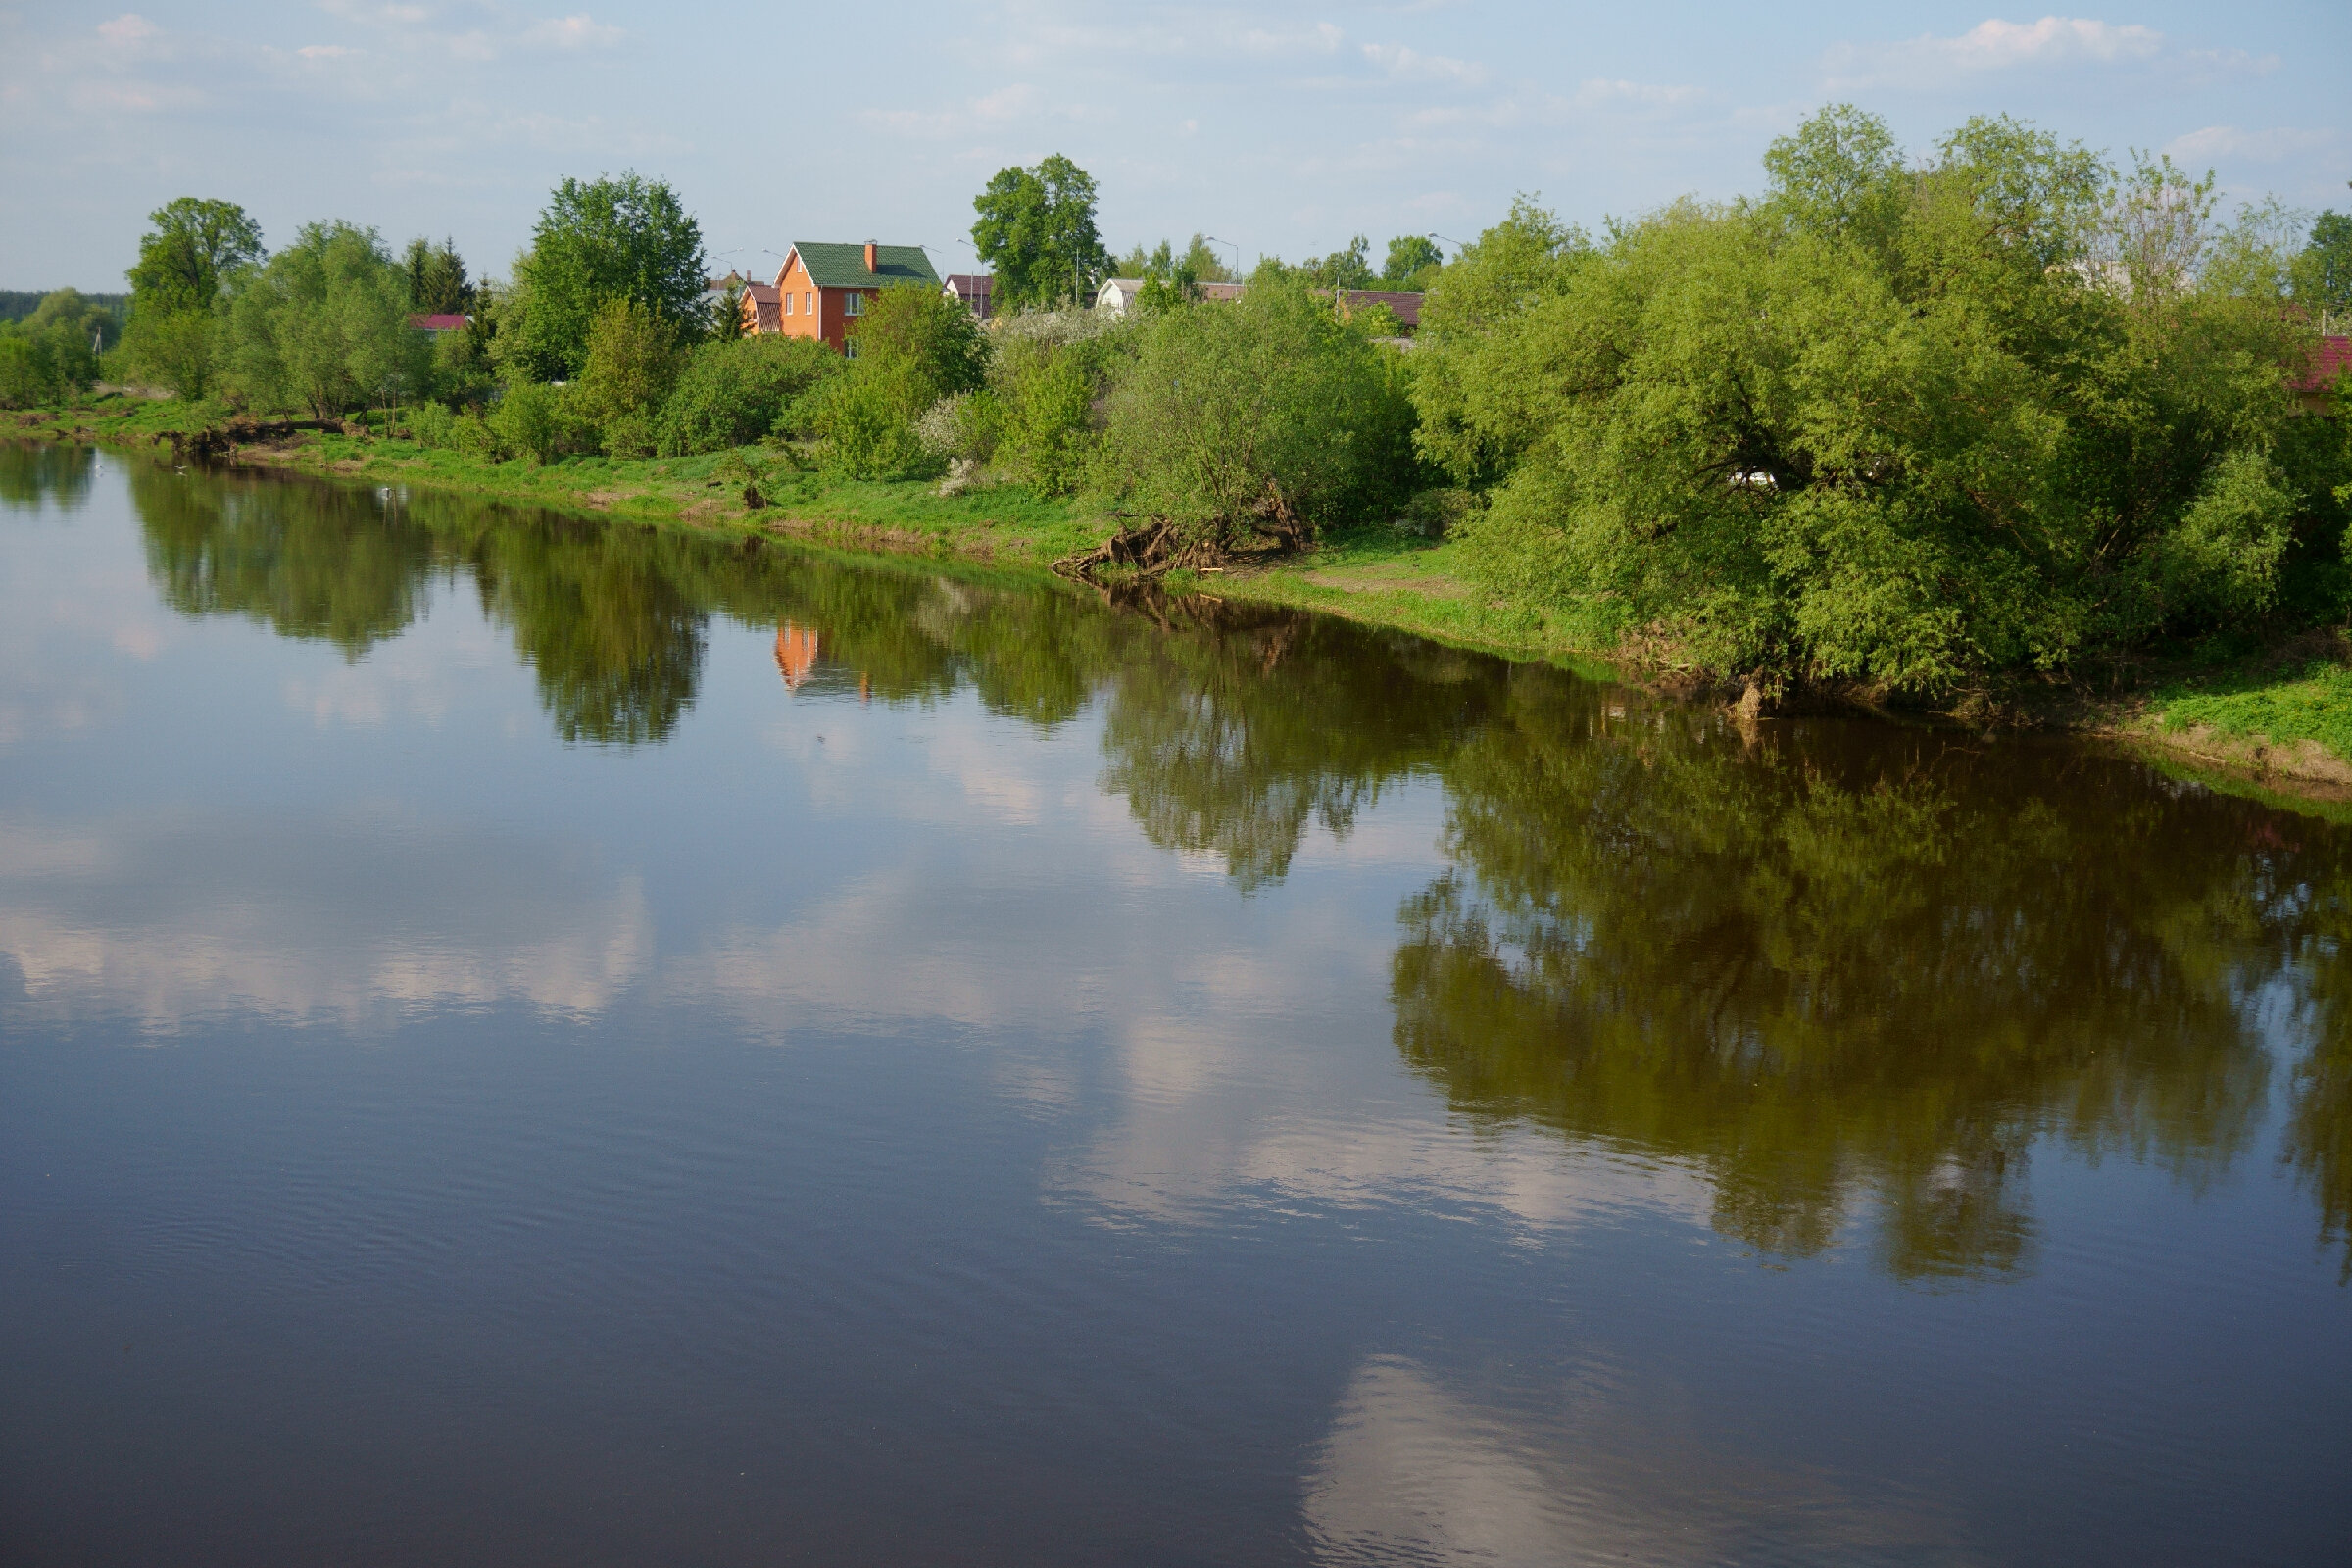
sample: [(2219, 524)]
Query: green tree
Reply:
[(54, 352), (1410, 256), (437, 283), (1197, 262), (937, 342), (325, 325), (1348, 269), (186, 260), (1840, 175), (726, 311), (1897, 425), (632, 364), (626, 238), (1037, 234), (1269, 417), (1478, 406), (2326, 272), (191, 252)]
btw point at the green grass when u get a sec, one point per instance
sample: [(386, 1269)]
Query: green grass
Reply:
[(2312, 703), (1004, 523), (1384, 577)]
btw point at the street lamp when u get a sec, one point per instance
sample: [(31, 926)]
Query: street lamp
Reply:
[(1236, 251)]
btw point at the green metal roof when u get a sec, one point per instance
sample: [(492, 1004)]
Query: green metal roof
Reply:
[(844, 265)]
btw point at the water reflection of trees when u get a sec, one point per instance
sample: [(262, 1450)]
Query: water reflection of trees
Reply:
[(1232, 734), (38, 473), (1820, 964), (309, 561), (1833, 968)]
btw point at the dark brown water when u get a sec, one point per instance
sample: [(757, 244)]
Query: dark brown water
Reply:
[(527, 1043)]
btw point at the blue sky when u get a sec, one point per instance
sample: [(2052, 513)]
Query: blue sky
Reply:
[(1281, 127)]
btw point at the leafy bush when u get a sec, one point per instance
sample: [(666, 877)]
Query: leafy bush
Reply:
[(1266, 415), (1900, 424), (632, 363), (866, 422), (731, 393), (965, 427), (432, 424), (537, 422), (1046, 401), (913, 348)]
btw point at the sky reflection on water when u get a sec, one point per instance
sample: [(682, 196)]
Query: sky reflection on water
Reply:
[(536, 1068)]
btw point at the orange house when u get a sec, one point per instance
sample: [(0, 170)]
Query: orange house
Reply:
[(822, 289)]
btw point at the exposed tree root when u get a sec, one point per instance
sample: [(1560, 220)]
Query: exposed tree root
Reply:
[(1156, 547)]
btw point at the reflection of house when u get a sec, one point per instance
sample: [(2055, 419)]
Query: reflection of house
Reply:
[(795, 654), (822, 287), (976, 292)]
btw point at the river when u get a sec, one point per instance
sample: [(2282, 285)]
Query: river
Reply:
[(528, 1041)]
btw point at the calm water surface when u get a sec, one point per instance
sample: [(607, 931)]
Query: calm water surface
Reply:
[(523, 1042)]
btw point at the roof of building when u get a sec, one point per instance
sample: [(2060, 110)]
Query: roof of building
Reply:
[(970, 283), (844, 265), (1405, 306), (439, 323), (2329, 362)]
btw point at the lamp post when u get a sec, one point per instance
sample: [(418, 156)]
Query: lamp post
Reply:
[(1236, 251)]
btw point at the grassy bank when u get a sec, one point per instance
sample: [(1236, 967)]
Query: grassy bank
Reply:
[(2281, 715), (1381, 577)]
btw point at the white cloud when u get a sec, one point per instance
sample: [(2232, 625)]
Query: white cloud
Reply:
[(1601, 93), (1321, 38), (2252, 146), (1408, 64), (127, 30), (2051, 43), (578, 31), (1006, 106), (325, 51), (1994, 44)]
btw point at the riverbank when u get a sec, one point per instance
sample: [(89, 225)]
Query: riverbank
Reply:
[(2277, 717)]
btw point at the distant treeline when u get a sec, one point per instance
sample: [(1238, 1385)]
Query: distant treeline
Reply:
[(15, 304)]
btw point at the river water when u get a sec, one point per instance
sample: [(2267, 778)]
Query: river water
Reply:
[(525, 1041)]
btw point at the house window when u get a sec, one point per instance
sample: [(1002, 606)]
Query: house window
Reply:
[(848, 345), (787, 305), (855, 305), (809, 302)]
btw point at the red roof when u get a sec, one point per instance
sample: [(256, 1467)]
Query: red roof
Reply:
[(438, 323), (1406, 306), (2327, 363)]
